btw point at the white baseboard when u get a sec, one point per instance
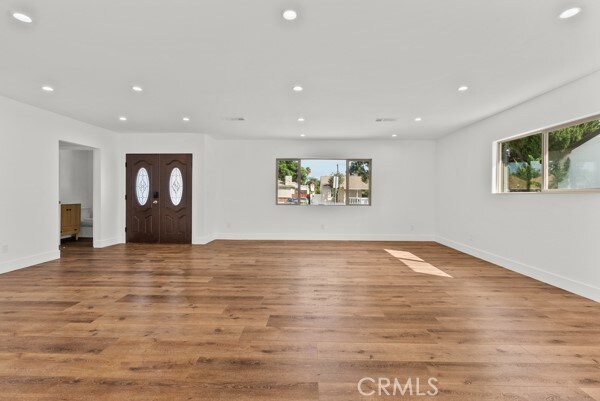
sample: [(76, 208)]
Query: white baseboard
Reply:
[(556, 280), (27, 261), (203, 240), (323, 237), (574, 286), (103, 243)]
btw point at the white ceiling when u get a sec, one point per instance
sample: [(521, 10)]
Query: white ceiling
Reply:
[(358, 60)]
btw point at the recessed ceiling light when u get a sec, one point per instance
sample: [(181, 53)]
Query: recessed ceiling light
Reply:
[(298, 88), (301, 119), (22, 17), (418, 119), (48, 88), (137, 88), (186, 119), (302, 135), (571, 12), (394, 135), (290, 15), (463, 88), (123, 118)]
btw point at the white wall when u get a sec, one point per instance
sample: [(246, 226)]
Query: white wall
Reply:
[(242, 198), (234, 188), (552, 237), (420, 189), (29, 170), (76, 177)]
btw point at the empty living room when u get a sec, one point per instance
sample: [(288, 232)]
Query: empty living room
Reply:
[(300, 200)]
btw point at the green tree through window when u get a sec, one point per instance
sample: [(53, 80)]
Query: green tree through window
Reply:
[(523, 157), (360, 168), (290, 168), (560, 145)]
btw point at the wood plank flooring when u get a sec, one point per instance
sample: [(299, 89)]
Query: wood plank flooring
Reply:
[(284, 320)]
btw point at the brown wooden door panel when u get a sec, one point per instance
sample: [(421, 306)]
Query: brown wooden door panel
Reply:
[(176, 199), (142, 207), (163, 212)]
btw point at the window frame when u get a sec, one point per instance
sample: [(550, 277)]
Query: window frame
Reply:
[(545, 133), (299, 179)]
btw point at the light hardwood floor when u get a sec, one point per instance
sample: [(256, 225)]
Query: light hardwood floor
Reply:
[(268, 320)]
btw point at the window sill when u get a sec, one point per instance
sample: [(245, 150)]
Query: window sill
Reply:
[(553, 191)]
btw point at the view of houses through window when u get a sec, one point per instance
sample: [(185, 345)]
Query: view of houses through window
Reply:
[(562, 158), (317, 182)]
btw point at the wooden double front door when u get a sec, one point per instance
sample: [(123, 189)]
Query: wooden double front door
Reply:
[(159, 198)]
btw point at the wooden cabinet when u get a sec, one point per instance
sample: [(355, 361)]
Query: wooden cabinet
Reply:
[(70, 219)]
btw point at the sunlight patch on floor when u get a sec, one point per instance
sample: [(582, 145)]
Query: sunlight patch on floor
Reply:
[(417, 264)]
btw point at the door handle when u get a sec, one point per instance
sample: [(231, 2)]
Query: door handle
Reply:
[(155, 202)]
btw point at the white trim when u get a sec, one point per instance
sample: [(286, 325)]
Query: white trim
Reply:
[(574, 286), (103, 243), (556, 280), (203, 240), (324, 237), (27, 261)]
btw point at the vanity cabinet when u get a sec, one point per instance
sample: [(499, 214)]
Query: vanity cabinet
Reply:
[(70, 219)]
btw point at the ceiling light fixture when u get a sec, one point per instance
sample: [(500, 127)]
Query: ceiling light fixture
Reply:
[(394, 135), (137, 88), (48, 88), (418, 119), (290, 15), (301, 119), (463, 88), (186, 119), (303, 135), (22, 17), (298, 88), (571, 12), (123, 118)]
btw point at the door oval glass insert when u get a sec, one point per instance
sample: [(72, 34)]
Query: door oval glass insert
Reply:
[(142, 186), (176, 186)]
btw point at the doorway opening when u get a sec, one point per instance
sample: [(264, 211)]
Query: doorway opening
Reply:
[(159, 198), (77, 204)]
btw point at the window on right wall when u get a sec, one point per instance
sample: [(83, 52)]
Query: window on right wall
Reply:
[(561, 158)]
